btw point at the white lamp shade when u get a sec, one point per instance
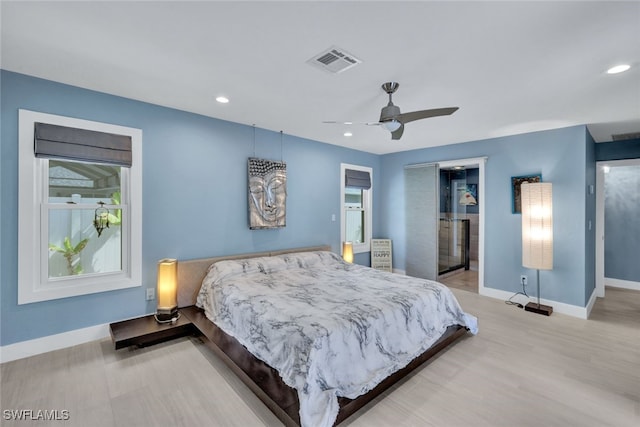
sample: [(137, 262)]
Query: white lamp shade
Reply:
[(537, 225), (347, 251), (391, 125), (167, 284)]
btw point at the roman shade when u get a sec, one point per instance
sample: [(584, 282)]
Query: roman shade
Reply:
[(61, 142), (357, 179)]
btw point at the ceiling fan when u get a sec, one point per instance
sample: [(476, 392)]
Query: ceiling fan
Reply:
[(394, 121)]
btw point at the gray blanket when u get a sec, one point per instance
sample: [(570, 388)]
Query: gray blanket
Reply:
[(329, 328)]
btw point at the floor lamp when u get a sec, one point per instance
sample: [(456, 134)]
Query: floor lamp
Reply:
[(537, 234)]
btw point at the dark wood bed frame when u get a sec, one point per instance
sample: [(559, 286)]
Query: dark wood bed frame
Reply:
[(261, 378)]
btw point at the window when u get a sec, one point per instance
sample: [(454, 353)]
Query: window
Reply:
[(78, 194), (355, 201), (79, 220), (354, 215)]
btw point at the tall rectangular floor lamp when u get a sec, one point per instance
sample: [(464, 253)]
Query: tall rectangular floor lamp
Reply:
[(537, 234)]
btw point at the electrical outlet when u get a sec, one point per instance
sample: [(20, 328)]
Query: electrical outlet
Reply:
[(523, 280), (151, 294)]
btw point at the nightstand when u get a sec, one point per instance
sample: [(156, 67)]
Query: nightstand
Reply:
[(144, 331)]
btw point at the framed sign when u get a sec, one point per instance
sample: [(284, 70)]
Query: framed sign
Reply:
[(516, 182), (381, 254)]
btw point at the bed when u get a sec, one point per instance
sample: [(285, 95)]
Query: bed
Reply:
[(314, 337)]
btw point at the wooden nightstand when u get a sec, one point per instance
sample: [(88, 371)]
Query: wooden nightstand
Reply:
[(144, 331)]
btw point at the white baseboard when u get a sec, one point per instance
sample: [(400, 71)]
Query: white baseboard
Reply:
[(32, 347), (625, 284), (592, 301), (558, 307)]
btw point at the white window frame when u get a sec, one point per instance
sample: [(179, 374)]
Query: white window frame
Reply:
[(34, 285), (367, 203)]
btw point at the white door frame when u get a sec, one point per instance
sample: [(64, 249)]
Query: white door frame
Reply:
[(480, 162), (600, 231)]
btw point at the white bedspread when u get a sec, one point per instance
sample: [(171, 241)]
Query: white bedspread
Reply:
[(328, 327)]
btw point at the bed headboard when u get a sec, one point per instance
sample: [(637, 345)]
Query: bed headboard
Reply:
[(192, 272)]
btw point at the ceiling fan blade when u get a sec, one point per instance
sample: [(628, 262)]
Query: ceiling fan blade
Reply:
[(398, 132), (334, 122), (425, 114)]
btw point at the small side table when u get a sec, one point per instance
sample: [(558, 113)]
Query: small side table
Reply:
[(145, 331)]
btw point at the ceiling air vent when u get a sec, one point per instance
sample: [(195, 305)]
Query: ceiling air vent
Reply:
[(334, 60), (625, 136)]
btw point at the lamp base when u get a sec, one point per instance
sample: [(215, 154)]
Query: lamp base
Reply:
[(164, 315), (534, 307)]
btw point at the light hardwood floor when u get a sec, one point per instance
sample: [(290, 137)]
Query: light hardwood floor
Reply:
[(522, 369), (467, 280)]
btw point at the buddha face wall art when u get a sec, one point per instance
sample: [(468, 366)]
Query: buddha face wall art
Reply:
[(267, 193)]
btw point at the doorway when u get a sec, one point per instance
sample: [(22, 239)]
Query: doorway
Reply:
[(458, 207), (461, 224), (617, 196)]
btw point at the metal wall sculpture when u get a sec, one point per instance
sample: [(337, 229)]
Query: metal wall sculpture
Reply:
[(267, 193)]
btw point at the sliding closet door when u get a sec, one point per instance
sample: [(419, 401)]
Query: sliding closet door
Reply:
[(421, 213)]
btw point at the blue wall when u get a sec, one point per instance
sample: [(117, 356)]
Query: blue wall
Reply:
[(590, 217), (195, 199), (618, 150), (194, 196), (560, 156)]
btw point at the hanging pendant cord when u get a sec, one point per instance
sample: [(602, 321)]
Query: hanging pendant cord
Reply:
[(254, 140)]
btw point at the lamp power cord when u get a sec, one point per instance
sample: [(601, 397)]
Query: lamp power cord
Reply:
[(524, 293), (174, 319)]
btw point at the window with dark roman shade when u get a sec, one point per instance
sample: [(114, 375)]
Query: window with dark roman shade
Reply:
[(61, 142), (357, 179)]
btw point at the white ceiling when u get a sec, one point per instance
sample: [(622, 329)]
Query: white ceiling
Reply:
[(511, 67)]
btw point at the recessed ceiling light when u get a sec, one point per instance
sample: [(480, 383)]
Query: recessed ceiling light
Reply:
[(222, 99), (348, 134), (618, 69)]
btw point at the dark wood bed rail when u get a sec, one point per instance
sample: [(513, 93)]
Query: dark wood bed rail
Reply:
[(266, 383), (263, 380)]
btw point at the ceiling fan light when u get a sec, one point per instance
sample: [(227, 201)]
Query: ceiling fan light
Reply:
[(618, 69), (392, 125)]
